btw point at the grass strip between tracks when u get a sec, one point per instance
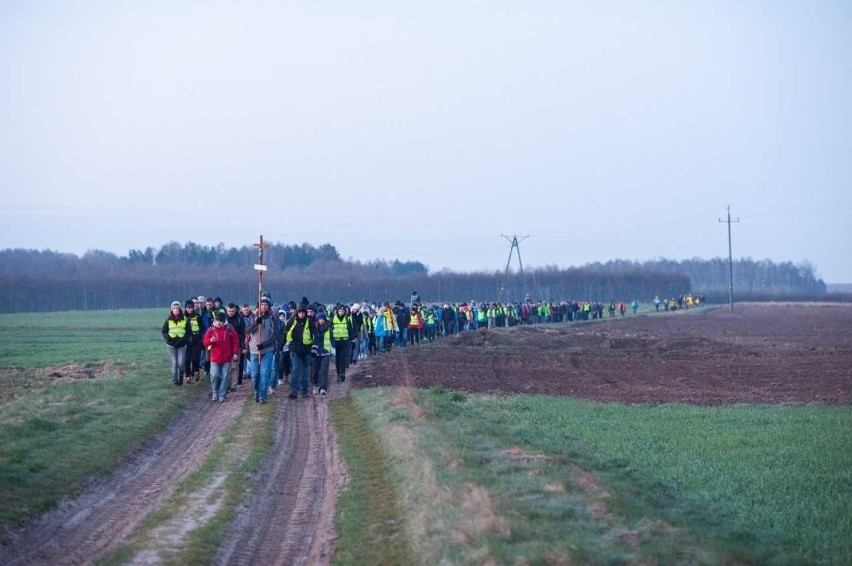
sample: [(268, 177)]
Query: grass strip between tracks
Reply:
[(370, 522), (190, 527)]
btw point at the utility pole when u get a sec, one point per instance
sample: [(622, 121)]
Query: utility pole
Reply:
[(515, 246), (730, 259)]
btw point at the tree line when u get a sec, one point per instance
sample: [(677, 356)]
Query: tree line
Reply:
[(32, 280)]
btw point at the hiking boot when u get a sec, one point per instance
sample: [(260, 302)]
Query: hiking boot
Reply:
[(263, 401), (232, 389), (293, 395)]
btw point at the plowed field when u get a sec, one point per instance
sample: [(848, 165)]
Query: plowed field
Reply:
[(763, 353)]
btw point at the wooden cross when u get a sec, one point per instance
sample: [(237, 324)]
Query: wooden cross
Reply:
[(260, 247), (260, 267)]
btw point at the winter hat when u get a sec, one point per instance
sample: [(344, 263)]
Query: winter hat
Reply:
[(176, 304), (266, 300), (202, 298), (321, 316)]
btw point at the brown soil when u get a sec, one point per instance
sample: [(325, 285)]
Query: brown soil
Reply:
[(763, 353), (20, 381), (290, 519)]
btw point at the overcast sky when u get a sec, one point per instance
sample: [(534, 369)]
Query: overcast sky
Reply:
[(425, 130)]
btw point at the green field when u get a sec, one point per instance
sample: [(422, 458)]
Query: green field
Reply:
[(544, 479), (464, 479), (55, 432)]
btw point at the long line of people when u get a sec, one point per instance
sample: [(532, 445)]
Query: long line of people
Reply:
[(296, 346)]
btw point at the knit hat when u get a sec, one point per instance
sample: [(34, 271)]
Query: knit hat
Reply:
[(266, 300), (321, 316), (176, 304)]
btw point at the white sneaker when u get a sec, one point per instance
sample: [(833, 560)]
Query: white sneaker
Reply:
[(215, 398), (322, 391), (280, 382), (316, 389)]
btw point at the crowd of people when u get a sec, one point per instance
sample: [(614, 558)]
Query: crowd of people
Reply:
[(294, 342)]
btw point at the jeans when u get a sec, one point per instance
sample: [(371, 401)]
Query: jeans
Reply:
[(300, 373), (261, 371), (273, 378), (178, 358), (220, 379)]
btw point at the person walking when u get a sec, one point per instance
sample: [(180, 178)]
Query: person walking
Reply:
[(237, 323), (176, 334), (193, 344), (223, 346), (415, 323), (341, 334), (321, 353), (264, 335), (300, 336)]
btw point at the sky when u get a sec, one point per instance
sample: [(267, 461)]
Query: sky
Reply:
[(430, 130)]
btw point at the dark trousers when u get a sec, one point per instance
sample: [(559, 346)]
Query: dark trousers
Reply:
[(193, 357), (241, 368), (341, 357), (413, 335), (322, 363), (315, 367)]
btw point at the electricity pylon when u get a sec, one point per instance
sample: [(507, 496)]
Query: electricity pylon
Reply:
[(515, 246)]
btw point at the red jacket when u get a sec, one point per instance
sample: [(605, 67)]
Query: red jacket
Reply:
[(227, 344)]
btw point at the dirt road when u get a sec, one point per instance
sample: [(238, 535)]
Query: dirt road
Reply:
[(288, 521)]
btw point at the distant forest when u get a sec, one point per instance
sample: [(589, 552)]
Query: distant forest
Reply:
[(32, 280)]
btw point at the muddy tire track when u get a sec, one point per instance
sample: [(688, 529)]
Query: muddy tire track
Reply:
[(110, 509), (290, 518)]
